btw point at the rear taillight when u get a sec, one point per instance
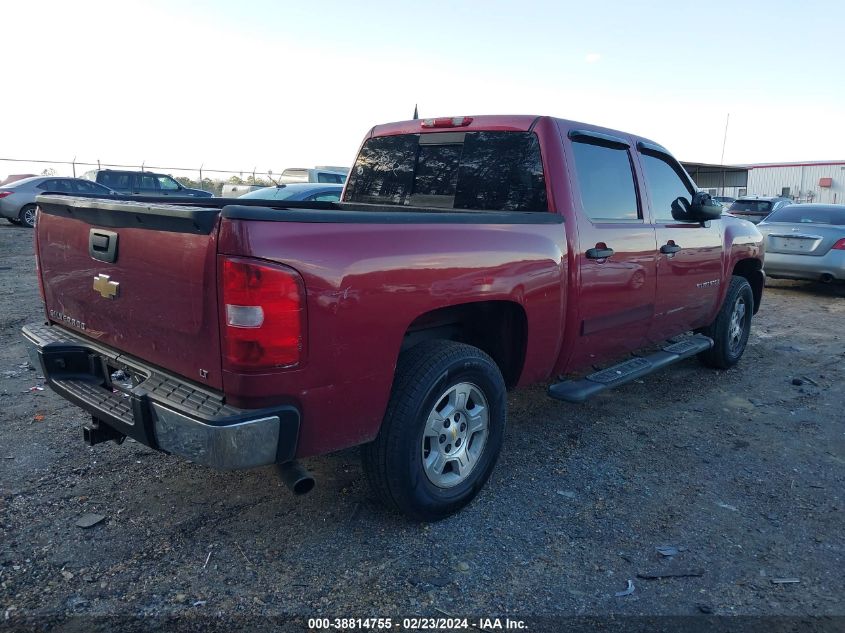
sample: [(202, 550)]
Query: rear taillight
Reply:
[(3, 194), (263, 315), (840, 245), (448, 121)]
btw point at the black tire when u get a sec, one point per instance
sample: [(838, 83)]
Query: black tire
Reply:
[(27, 215), (393, 462), (728, 347)]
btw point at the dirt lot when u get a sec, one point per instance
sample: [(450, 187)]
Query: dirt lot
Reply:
[(740, 472)]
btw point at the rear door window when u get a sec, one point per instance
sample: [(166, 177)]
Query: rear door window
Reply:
[(606, 179), (115, 180), (57, 186), (752, 206), (86, 186), (146, 182), (494, 171)]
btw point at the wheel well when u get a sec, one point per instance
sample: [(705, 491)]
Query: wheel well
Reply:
[(499, 328), (752, 270)]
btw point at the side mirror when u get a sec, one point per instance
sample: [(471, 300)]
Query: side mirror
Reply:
[(701, 209)]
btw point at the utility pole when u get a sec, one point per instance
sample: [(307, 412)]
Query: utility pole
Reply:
[(722, 159)]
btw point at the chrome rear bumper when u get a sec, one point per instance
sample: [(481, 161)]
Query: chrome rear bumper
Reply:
[(158, 409)]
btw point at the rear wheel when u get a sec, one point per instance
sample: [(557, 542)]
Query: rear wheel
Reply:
[(442, 432), (731, 327), (27, 215)]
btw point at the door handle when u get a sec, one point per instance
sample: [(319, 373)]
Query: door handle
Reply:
[(668, 249), (102, 245), (599, 253)]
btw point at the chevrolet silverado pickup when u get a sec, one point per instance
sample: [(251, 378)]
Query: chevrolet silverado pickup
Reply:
[(468, 256)]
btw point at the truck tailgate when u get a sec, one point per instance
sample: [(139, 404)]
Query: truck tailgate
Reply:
[(138, 277)]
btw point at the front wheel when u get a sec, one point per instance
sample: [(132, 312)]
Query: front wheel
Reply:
[(442, 432), (27, 215), (731, 327)]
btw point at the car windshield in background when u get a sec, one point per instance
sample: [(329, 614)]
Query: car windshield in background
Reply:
[(751, 206), (271, 193), (809, 214), (492, 171)]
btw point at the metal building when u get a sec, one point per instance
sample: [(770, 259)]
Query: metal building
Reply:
[(822, 181), (719, 180), (812, 181)]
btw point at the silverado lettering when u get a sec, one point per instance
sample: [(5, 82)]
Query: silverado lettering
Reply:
[(63, 318)]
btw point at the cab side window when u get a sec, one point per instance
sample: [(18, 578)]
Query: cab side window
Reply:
[(167, 183), (119, 181), (606, 181), (146, 182), (56, 186), (665, 186), (83, 186)]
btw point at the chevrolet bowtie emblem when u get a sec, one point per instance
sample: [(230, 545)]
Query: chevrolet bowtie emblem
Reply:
[(108, 289)]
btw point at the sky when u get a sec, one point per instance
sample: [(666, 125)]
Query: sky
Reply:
[(267, 85)]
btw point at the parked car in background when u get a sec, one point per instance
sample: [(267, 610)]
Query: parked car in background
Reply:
[(755, 208), (302, 174), (725, 201), (143, 183), (805, 241), (17, 200), (299, 191)]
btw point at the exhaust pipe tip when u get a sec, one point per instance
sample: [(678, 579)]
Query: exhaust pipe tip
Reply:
[(96, 432), (826, 278), (296, 478)]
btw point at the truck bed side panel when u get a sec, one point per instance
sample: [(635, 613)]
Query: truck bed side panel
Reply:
[(366, 283)]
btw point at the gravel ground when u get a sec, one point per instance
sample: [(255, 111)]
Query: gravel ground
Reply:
[(738, 474)]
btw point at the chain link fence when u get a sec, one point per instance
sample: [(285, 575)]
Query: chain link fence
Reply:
[(200, 177)]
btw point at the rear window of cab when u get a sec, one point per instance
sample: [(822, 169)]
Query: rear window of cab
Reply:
[(490, 171), (751, 206)]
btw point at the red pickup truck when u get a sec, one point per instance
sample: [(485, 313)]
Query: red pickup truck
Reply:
[(469, 256)]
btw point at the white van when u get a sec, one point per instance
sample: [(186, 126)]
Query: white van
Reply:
[(317, 174), (236, 191)]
